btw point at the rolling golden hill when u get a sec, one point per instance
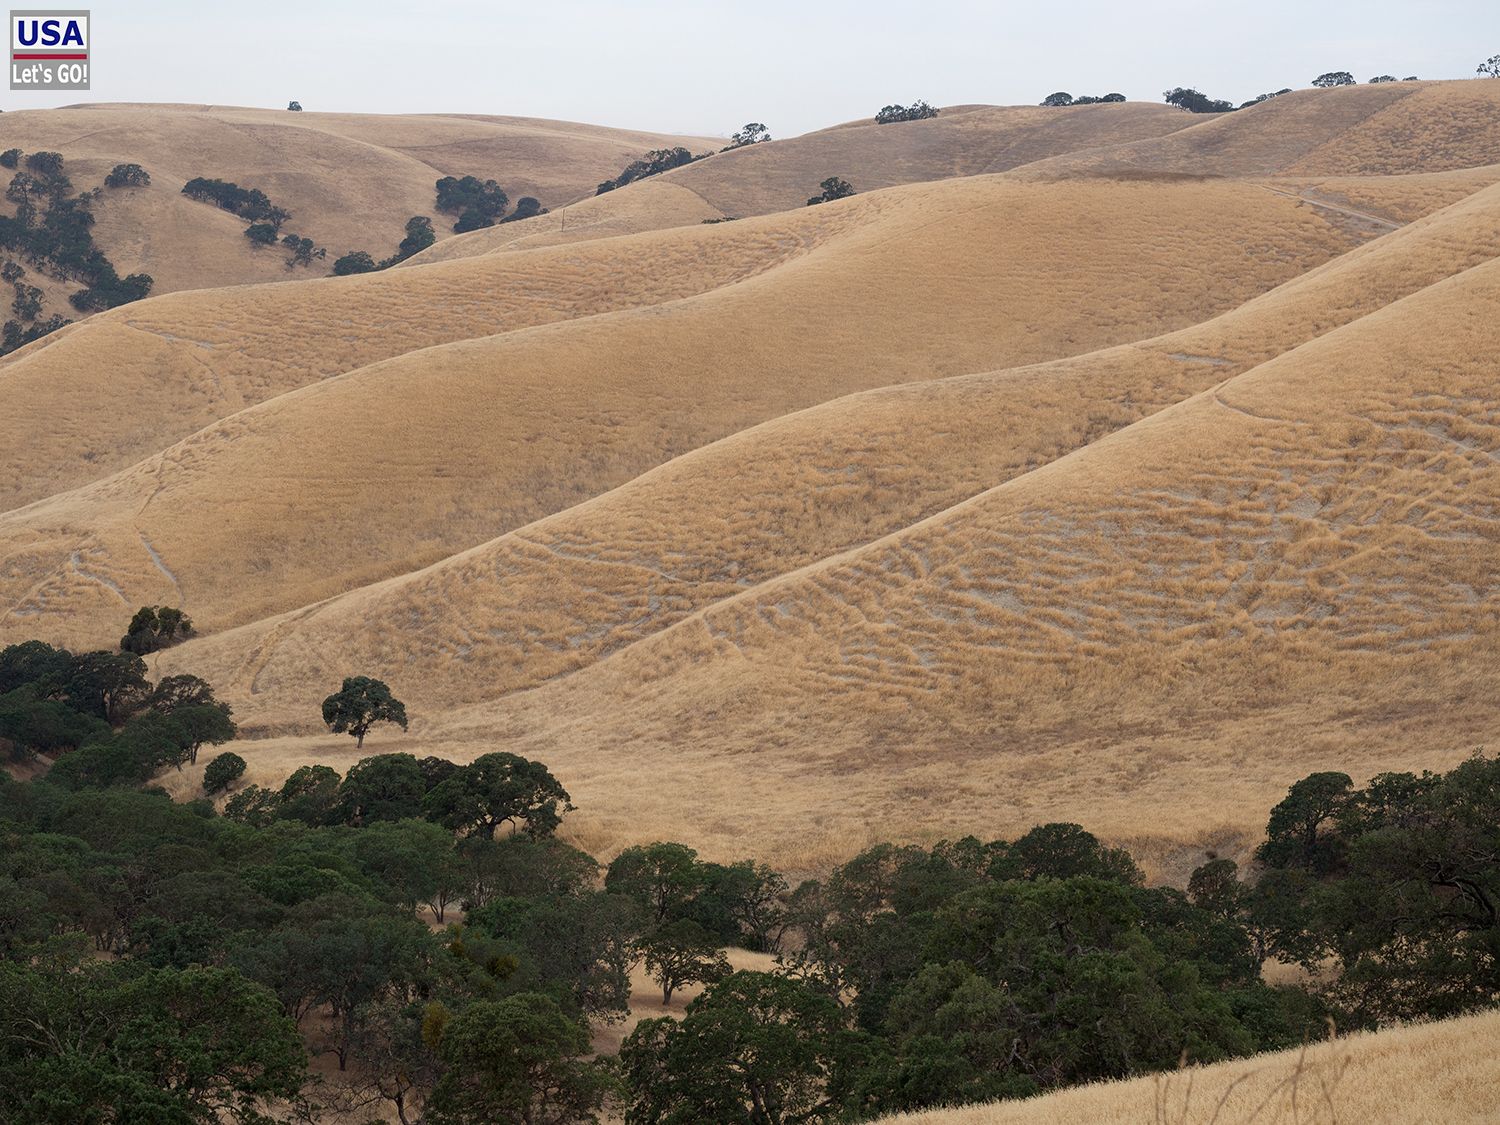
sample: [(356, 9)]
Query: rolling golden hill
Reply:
[(1357, 132), (532, 421), (795, 490), (781, 175), (350, 180), (1132, 468)]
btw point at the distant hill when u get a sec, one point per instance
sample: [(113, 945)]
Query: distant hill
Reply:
[(350, 180)]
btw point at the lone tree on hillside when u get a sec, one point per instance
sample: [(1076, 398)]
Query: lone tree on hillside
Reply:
[(833, 188), (752, 134), (1379, 78), (1061, 98), (1490, 68), (1334, 78), (917, 111), (127, 175), (295, 107), (359, 705)]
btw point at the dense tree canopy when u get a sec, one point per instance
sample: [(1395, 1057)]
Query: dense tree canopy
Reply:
[(909, 977), (1333, 78)]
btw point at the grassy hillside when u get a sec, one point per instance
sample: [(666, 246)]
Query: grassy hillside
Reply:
[(532, 421), (1408, 1076), (814, 483), (349, 180), (1124, 486), (1170, 590)]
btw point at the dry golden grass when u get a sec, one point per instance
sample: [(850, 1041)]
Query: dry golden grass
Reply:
[(953, 507), (350, 180), (1396, 128), (439, 450), (780, 176), (561, 593), (1444, 1073)]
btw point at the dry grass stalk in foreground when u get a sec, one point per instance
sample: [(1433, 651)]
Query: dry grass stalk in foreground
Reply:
[(1445, 1073)]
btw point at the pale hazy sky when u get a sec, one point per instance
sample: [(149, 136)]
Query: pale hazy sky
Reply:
[(709, 67)]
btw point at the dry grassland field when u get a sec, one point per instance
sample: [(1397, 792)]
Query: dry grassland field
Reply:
[(1107, 464)]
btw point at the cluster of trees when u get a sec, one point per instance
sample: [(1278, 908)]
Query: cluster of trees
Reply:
[(100, 716), (1062, 98), (655, 162), (266, 219), (419, 236), (155, 627), (247, 203), (127, 175), (53, 229), (909, 977), (833, 188), (478, 799), (917, 111), (1195, 101), (477, 203)]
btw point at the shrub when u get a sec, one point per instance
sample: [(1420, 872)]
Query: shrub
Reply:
[(222, 772), (833, 188), (752, 134), (155, 627), (1266, 97), (655, 162), (527, 207), (127, 175), (48, 164), (1196, 102), (356, 261), (477, 203), (28, 302), (917, 111), (302, 251), (419, 236)]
